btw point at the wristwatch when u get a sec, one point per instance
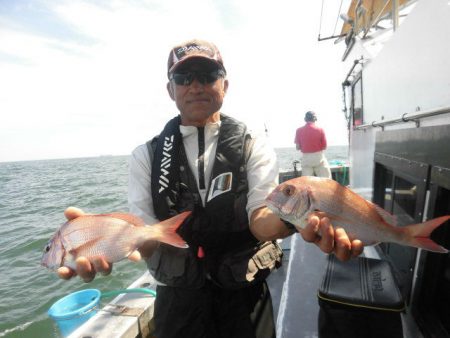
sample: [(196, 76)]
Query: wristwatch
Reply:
[(289, 225)]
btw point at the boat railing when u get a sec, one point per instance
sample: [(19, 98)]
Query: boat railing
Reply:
[(339, 172), (407, 117)]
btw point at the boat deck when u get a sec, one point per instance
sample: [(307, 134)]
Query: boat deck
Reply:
[(127, 315), (298, 308)]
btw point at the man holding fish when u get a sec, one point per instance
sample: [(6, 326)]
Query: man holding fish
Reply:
[(205, 177)]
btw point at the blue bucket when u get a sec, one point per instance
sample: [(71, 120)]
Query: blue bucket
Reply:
[(74, 309)]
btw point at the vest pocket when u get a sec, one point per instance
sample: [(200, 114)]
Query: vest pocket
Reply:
[(176, 267), (247, 266)]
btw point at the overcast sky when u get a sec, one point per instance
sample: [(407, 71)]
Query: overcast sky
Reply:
[(88, 78)]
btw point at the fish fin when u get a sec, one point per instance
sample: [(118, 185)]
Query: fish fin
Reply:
[(168, 230), (428, 244), (386, 216), (132, 219), (311, 198), (421, 232)]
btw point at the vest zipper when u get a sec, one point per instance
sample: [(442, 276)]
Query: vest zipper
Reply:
[(201, 157)]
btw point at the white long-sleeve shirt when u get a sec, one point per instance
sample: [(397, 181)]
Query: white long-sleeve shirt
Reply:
[(262, 171)]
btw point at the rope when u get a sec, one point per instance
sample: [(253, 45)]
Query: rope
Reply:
[(337, 18), (320, 22), (136, 290)]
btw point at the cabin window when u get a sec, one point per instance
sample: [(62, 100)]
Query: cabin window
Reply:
[(357, 102), (398, 188), (382, 191), (404, 201)]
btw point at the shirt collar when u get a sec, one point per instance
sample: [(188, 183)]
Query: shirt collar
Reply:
[(190, 130)]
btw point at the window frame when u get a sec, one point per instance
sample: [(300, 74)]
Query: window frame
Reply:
[(357, 88)]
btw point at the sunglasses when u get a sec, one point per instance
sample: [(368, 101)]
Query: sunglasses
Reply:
[(186, 78)]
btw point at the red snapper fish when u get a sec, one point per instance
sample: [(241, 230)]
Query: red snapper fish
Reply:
[(296, 199), (113, 236)]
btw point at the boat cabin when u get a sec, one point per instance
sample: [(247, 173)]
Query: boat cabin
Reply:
[(397, 104)]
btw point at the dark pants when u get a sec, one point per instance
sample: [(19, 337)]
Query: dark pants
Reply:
[(212, 312)]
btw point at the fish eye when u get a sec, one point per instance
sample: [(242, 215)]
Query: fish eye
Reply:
[(47, 248), (289, 190)]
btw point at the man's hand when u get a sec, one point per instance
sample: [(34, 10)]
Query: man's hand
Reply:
[(321, 232), (84, 268), (266, 226)]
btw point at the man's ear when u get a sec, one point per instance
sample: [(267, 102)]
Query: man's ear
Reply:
[(225, 86), (170, 90)]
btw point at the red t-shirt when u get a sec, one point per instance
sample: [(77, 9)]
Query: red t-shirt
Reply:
[(310, 138)]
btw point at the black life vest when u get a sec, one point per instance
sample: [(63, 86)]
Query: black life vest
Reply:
[(218, 227)]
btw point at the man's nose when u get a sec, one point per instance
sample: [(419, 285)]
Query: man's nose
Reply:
[(197, 85)]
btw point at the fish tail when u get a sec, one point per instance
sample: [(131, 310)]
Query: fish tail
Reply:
[(419, 234), (167, 230)]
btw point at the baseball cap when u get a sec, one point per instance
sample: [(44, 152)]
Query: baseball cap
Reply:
[(310, 116), (193, 49)]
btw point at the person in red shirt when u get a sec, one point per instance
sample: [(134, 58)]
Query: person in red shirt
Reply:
[(311, 141)]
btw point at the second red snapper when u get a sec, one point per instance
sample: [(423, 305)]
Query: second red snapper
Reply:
[(112, 236), (296, 199)]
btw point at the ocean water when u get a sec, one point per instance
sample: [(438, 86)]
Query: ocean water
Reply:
[(33, 196)]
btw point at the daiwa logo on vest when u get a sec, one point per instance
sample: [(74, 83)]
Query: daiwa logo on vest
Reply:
[(165, 163)]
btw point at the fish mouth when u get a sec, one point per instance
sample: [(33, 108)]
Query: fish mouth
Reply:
[(291, 212), (273, 208), (278, 211)]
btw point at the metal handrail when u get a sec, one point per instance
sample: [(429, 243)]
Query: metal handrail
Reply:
[(415, 117)]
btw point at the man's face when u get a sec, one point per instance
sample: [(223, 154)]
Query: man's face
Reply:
[(196, 98)]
